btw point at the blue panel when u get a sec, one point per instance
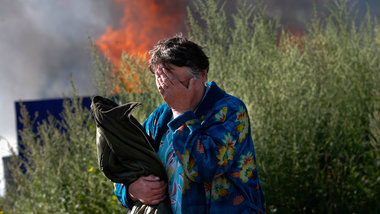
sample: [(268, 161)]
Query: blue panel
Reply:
[(44, 108)]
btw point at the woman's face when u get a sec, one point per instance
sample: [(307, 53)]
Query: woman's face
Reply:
[(179, 88), (183, 74)]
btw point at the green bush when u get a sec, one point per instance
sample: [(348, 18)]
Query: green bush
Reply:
[(313, 102), (62, 175)]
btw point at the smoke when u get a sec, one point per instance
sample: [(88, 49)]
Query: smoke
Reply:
[(295, 14), (43, 43)]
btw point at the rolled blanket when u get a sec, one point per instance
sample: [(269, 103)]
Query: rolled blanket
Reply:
[(124, 149)]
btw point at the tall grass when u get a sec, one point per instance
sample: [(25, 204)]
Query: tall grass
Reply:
[(313, 102), (60, 173)]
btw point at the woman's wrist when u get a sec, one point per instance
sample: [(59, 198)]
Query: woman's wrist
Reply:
[(131, 196)]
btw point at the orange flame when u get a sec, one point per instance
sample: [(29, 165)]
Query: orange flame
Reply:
[(297, 38), (294, 37), (143, 24)]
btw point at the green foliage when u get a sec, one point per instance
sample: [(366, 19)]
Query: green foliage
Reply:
[(61, 175), (313, 102)]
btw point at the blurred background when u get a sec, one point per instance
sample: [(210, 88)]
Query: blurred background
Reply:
[(43, 43)]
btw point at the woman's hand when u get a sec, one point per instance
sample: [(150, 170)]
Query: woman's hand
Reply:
[(179, 97), (149, 190)]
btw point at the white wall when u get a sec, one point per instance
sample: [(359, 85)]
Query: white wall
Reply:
[(4, 151)]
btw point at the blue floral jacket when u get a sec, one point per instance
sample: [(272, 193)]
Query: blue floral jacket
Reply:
[(209, 157)]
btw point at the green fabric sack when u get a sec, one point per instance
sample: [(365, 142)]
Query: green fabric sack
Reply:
[(124, 149)]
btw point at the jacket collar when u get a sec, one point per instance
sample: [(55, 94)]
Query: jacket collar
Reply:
[(212, 96)]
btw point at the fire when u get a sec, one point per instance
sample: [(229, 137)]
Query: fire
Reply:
[(293, 37), (144, 23)]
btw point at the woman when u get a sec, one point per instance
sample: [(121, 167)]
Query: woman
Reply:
[(203, 138)]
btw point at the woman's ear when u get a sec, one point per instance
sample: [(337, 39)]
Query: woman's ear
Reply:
[(203, 75)]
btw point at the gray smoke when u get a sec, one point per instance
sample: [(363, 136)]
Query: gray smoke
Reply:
[(43, 43), (296, 13)]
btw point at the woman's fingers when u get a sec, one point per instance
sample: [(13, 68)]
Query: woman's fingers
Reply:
[(167, 77), (164, 84), (151, 177), (159, 87), (148, 189), (157, 201), (155, 196)]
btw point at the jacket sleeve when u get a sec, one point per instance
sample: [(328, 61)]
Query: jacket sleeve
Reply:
[(207, 149), (121, 192), (148, 125)]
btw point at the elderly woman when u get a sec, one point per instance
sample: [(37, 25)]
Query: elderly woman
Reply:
[(202, 136)]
